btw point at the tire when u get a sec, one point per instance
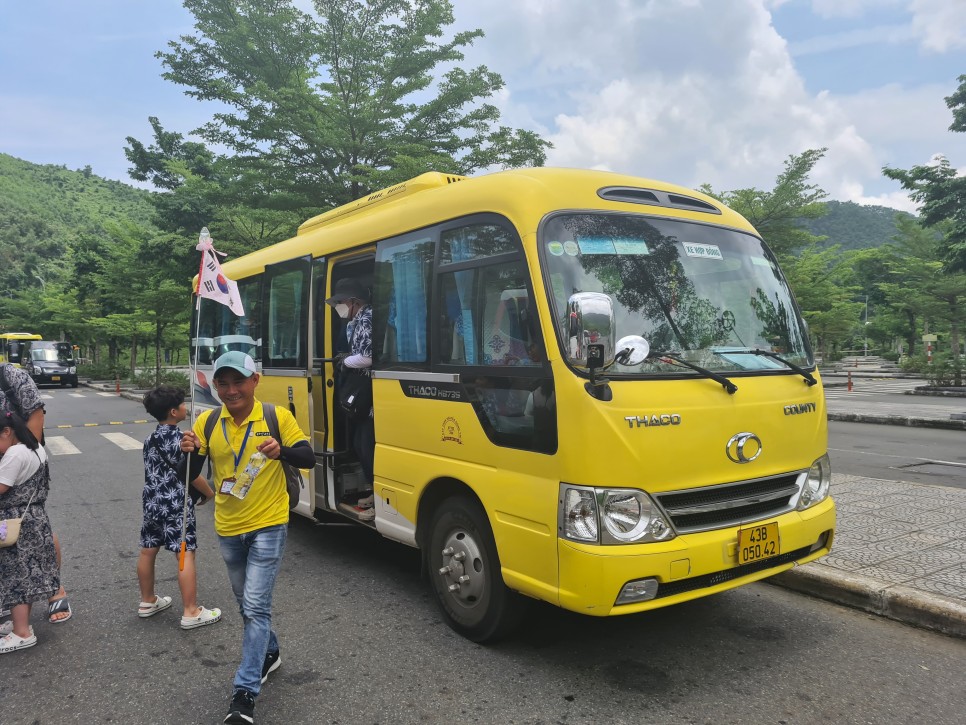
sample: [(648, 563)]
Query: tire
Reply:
[(465, 575), (73, 384)]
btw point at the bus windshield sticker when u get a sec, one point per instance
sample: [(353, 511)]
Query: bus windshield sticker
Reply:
[(571, 248), (702, 251), (555, 248), (596, 245), (631, 246)]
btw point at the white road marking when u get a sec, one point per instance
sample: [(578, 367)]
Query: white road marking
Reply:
[(108, 395), (47, 396), (77, 395), (60, 446), (123, 441)]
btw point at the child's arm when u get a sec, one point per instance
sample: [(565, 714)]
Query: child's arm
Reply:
[(200, 484)]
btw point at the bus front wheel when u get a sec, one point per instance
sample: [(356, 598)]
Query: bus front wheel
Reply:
[(464, 569)]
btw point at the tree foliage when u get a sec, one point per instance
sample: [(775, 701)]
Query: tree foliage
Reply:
[(778, 214), (319, 109), (940, 191)]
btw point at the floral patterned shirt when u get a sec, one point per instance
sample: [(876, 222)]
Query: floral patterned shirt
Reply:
[(20, 395)]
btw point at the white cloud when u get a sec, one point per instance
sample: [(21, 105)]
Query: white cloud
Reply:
[(700, 92), (939, 24), (690, 92)]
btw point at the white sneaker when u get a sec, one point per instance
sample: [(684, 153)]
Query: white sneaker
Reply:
[(205, 616), (11, 642), (367, 502)]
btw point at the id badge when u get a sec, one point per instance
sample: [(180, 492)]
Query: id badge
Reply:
[(227, 484)]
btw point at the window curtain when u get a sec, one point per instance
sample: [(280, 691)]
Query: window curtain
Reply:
[(461, 250), (410, 301)]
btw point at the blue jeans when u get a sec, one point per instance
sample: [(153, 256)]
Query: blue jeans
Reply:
[(253, 560)]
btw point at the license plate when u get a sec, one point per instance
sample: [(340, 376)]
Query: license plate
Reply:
[(55, 377), (758, 542)]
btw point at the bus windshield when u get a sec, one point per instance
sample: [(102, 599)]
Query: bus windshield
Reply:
[(693, 289)]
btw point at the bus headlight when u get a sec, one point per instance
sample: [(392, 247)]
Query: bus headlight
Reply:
[(817, 480), (611, 516)]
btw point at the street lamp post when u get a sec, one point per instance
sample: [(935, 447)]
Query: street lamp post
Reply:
[(865, 332)]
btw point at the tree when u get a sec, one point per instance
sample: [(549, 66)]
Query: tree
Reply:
[(323, 108), (939, 295), (778, 214), (940, 191)]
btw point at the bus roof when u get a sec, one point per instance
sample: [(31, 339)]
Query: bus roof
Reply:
[(525, 196), (21, 335)]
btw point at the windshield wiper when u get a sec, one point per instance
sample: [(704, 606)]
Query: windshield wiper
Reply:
[(720, 379), (809, 378)]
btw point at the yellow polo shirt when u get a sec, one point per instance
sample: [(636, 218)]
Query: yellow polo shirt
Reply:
[(267, 501)]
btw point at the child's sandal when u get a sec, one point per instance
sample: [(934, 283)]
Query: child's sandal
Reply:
[(149, 609)]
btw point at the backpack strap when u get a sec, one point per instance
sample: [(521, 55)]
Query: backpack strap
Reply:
[(293, 476), (271, 420), (210, 423)]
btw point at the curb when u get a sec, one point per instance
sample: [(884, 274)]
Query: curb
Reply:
[(893, 601), (950, 424)]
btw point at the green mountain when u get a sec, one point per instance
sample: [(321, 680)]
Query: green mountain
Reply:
[(45, 208), (853, 226)]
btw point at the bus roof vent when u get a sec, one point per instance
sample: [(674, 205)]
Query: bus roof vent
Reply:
[(654, 197), (626, 193), (690, 202), (423, 182)]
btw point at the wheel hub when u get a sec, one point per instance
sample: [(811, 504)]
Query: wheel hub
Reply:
[(462, 571)]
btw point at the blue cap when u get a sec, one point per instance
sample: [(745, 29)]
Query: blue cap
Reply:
[(237, 361)]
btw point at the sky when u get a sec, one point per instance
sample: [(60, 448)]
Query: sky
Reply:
[(687, 91)]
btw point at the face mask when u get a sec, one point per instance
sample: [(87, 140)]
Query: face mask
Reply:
[(342, 310)]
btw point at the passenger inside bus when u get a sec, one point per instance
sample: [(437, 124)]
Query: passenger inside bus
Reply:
[(350, 300)]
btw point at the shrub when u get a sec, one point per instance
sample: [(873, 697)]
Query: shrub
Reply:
[(102, 371), (945, 370), (145, 380)]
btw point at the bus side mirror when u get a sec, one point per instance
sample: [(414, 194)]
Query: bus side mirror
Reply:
[(591, 337)]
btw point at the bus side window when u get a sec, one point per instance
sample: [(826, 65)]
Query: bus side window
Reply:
[(401, 299)]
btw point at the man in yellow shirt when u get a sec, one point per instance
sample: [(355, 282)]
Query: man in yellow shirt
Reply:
[(251, 522)]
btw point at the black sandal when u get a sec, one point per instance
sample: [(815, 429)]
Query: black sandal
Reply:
[(56, 607)]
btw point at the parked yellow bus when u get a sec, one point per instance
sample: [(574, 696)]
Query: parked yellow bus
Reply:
[(12, 346), (589, 389)]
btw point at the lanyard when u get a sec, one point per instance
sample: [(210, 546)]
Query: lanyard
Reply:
[(241, 451)]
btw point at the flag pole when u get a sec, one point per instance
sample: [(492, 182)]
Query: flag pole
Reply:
[(191, 413), (191, 422)]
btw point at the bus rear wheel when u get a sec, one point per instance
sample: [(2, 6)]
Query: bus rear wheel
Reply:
[(464, 570)]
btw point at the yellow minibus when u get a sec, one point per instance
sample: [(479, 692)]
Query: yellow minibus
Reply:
[(12, 346), (589, 389)]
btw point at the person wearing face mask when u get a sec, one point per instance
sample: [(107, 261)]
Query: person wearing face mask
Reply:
[(350, 300)]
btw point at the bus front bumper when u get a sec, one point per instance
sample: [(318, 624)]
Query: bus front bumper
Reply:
[(687, 567)]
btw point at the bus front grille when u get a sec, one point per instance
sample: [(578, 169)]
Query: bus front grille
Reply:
[(715, 507)]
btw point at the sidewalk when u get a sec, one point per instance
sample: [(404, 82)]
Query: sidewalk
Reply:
[(899, 548)]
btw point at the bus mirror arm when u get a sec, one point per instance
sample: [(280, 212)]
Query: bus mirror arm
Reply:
[(598, 387)]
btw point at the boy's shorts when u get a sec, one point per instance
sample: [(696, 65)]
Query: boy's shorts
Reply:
[(167, 534)]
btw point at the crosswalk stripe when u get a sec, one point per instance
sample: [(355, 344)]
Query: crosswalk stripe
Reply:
[(77, 395), (60, 446), (47, 396), (123, 441)]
